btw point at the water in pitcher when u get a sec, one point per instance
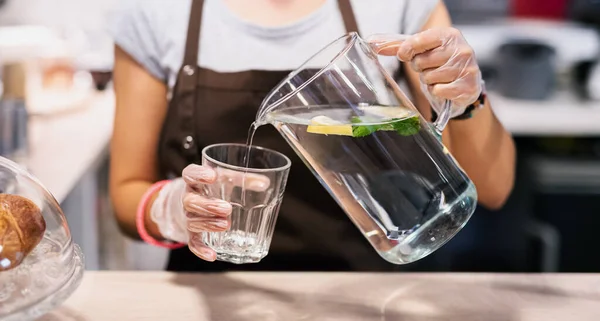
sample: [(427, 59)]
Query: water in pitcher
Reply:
[(382, 166)]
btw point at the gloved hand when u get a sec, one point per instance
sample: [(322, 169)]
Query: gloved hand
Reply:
[(186, 207), (444, 60), (182, 211)]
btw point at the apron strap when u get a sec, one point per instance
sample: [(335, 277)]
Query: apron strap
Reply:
[(190, 58), (187, 80), (348, 16), (193, 33)]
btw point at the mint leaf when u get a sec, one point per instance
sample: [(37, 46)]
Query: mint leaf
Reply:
[(355, 120), (408, 126), (361, 130), (404, 127), (386, 127)]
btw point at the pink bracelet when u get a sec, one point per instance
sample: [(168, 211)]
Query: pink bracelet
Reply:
[(140, 219)]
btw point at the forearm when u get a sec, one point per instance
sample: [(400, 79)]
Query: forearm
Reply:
[(486, 151), (141, 106), (126, 197)]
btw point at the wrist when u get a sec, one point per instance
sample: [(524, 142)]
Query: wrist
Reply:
[(475, 107), (144, 220), (151, 226)]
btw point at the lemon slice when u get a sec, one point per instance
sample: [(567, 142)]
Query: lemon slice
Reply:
[(327, 126)]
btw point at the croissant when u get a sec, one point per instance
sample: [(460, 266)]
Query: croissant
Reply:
[(22, 227)]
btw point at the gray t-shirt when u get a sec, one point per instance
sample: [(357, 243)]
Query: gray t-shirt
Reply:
[(153, 32)]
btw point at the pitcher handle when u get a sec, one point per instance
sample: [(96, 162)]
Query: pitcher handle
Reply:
[(440, 123), (381, 42)]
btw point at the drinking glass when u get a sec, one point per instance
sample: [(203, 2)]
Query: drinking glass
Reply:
[(253, 180), (384, 164)]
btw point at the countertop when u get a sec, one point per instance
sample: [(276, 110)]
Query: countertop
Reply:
[(561, 115), (108, 296)]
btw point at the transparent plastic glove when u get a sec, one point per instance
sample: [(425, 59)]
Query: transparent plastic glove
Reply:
[(184, 208), (446, 64), (182, 212), (167, 211)]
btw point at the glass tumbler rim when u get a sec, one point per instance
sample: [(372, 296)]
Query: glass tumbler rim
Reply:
[(351, 39), (288, 162)]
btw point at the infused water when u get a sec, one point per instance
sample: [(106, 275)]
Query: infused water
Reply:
[(387, 169)]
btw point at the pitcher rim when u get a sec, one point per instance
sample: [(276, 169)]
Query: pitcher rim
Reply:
[(288, 162), (352, 36)]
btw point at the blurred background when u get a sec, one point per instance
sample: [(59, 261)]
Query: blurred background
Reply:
[(540, 60)]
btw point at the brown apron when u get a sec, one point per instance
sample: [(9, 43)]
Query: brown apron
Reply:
[(208, 107)]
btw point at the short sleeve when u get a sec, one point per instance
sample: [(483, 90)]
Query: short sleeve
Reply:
[(416, 15), (133, 30)]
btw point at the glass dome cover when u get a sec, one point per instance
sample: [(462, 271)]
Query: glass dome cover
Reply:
[(40, 266)]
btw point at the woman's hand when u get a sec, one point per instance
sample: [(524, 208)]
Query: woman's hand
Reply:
[(203, 213), (444, 60), (185, 208)]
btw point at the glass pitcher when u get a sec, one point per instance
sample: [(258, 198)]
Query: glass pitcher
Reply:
[(373, 152)]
